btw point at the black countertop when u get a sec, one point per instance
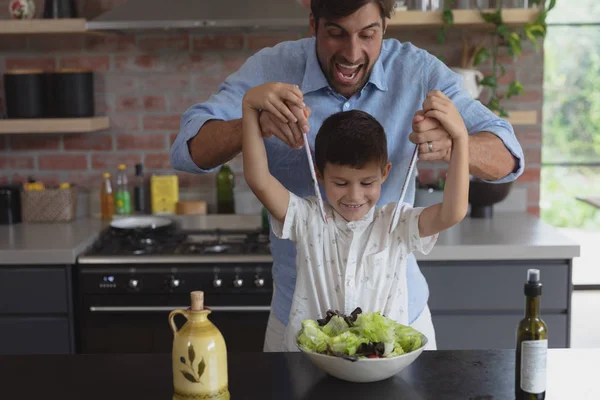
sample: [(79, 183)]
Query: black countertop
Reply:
[(439, 375)]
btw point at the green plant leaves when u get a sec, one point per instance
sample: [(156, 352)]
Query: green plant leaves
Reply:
[(489, 81), (515, 88), (482, 56)]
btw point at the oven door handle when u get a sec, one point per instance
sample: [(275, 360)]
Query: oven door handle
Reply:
[(166, 308)]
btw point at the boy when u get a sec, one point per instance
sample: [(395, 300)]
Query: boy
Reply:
[(351, 261)]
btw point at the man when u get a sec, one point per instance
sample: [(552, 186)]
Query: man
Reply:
[(346, 65)]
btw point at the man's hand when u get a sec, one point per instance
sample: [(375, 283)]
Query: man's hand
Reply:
[(431, 137), (290, 134)]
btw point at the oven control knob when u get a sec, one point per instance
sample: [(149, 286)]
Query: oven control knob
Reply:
[(238, 282), (259, 282), (174, 283), (134, 283), (218, 282)]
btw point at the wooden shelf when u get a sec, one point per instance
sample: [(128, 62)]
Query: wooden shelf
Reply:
[(412, 18), (522, 117), (42, 25), (54, 125)]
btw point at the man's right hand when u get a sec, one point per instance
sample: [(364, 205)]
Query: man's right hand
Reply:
[(290, 134)]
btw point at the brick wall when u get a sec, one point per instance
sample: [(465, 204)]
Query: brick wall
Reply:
[(145, 81)]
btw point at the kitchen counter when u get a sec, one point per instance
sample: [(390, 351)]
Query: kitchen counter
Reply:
[(439, 375), (47, 243), (506, 236)]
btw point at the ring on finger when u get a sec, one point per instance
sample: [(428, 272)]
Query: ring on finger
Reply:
[(430, 147)]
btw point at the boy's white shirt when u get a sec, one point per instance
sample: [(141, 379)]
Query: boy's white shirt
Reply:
[(343, 265)]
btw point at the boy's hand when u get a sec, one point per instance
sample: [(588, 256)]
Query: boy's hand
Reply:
[(289, 133), (272, 97), (435, 144), (437, 105)]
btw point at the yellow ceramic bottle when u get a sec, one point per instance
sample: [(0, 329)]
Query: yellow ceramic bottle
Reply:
[(199, 355)]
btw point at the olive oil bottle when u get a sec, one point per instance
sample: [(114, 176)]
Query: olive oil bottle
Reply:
[(532, 344)]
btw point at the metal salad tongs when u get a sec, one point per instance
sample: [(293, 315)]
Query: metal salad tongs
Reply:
[(396, 213), (311, 165)]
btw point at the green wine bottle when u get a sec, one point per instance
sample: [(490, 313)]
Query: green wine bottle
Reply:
[(225, 182), (532, 344)]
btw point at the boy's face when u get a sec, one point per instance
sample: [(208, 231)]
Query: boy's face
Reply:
[(353, 192)]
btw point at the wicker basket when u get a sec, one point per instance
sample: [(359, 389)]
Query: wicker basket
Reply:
[(49, 205)]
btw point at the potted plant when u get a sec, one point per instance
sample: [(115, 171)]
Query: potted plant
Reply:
[(500, 38)]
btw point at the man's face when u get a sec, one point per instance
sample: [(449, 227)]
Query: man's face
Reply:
[(347, 48)]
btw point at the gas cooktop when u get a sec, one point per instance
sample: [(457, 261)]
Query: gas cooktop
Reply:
[(179, 246)]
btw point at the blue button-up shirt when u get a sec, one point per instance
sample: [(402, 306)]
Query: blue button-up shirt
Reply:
[(398, 84)]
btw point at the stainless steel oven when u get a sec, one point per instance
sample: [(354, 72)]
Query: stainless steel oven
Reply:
[(123, 301)]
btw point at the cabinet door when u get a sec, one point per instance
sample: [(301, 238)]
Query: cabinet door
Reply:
[(498, 285), (25, 290), (465, 332), (34, 335)]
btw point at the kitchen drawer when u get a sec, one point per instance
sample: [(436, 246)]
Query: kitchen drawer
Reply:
[(33, 290), (463, 332), (30, 335), (463, 286)]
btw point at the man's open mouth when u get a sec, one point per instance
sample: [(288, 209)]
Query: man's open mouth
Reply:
[(347, 73)]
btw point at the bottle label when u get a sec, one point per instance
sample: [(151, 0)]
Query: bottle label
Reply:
[(533, 365), (122, 203)]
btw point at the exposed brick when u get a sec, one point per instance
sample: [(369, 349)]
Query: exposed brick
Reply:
[(47, 179), (14, 44), (141, 103), (233, 61), (259, 41), (218, 42), (3, 180), (94, 63), (533, 194), (157, 161), (34, 142), (16, 162), (140, 63), (209, 82), (124, 123), (195, 180), (110, 161), (104, 103), (529, 135), (45, 63), (114, 83), (529, 96), (165, 122), (3, 142), (164, 42), (89, 180), (142, 142), (57, 43), (88, 141), (111, 43), (181, 102), (197, 63), (165, 82), (62, 162), (530, 175), (533, 210), (172, 138), (533, 156)]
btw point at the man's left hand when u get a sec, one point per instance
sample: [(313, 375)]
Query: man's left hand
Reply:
[(433, 140)]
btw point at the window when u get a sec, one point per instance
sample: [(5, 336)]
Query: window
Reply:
[(571, 127)]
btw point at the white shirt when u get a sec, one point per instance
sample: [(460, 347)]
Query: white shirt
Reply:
[(342, 265)]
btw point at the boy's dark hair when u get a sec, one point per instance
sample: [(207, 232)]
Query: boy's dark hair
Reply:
[(352, 138), (334, 9)]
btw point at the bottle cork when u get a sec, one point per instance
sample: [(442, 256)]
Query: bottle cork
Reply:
[(197, 300)]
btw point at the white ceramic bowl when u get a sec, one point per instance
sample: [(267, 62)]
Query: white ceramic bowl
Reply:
[(364, 370)]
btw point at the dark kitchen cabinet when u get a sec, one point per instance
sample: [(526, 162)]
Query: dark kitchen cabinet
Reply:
[(478, 304), (36, 311)]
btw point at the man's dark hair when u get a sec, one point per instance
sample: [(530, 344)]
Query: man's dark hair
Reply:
[(334, 9), (351, 138)]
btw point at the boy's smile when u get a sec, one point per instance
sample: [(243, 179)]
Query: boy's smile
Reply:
[(352, 192)]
